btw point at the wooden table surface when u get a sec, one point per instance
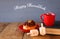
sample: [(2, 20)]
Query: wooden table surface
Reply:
[(10, 31)]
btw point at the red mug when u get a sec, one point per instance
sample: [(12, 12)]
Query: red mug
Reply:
[(48, 18)]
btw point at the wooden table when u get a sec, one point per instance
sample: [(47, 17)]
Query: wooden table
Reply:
[(10, 31)]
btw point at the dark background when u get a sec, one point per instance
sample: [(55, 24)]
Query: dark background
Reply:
[(8, 14)]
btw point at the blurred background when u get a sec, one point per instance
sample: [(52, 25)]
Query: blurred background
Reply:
[(9, 14)]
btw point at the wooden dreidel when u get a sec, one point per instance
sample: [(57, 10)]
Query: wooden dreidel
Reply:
[(33, 32), (42, 29)]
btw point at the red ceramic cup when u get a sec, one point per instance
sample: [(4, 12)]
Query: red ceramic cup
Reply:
[(48, 18)]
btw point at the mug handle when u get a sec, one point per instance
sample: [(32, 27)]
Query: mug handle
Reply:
[(41, 17)]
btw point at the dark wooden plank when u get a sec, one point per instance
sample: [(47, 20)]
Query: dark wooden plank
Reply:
[(11, 32), (55, 37), (36, 37)]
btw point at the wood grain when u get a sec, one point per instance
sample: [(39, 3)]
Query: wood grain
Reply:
[(2, 26), (55, 37), (36, 37), (11, 32)]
